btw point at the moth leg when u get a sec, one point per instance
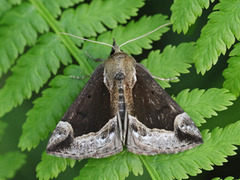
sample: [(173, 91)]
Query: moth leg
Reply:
[(163, 79), (125, 127), (92, 58), (120, 127), (82, 77)]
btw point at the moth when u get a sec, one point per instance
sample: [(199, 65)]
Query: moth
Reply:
[(122, 105)]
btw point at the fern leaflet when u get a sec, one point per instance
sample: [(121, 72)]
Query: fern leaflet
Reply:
[(232, 73), (171, 62), (19, 27), (185, 13), (54, 7), (51, 166), (33, 70), (58, 98), (114, 167), (216, 36), (200, 104), (216, 147), (10, 163)]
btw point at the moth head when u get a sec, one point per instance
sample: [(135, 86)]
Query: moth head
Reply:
[(115, 48)]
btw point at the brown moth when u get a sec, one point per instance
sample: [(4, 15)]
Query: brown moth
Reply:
[(122, 105)]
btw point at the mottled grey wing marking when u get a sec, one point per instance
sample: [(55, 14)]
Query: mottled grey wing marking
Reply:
[(158, 124), (85, 130), (104, 143)]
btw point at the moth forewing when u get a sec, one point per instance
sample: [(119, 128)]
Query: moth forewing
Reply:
[(158, 124), (89, 129)]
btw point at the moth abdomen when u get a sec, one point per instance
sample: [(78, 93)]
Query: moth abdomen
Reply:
[(121, 101)]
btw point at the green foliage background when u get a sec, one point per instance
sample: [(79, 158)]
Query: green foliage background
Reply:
[(201, 48)]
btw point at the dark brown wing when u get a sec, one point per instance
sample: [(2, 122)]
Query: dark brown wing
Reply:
[(88, 128), (152, 105), (157, 123), (91, 109)]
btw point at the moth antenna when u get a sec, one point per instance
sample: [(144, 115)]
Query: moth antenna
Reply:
[(144, 34), (164, 79), (98, 42)]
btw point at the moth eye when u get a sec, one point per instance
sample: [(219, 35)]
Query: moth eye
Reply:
[(89, 96)]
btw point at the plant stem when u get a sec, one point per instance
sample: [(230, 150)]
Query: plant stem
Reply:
[(152, 171), (72, 48)]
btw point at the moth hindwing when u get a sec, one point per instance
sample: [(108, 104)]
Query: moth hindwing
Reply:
[(121, 105)]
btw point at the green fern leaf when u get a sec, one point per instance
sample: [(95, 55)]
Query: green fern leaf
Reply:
[(227, 178), (232, 73), (19, 27), (216, 35), (123, 34), (185, 13), (33, 70), (143, 26), (171, 62), (10, 163), (216, 147), (5, 6), (94, 21), (200, 104), (51, 166), (54, 7), (57, 100), (114, 167), (2, 128)]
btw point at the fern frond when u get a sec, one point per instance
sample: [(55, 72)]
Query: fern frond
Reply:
[(19, 27), (217, 36), (93, 21), (185, 13), (51, 166), (171, 62), (216, 147), (123, 34), (114, 167), (33, 70), (54, 7), (200, 104), (10, 163), (232, 73), (143, 26), (57, 99)]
